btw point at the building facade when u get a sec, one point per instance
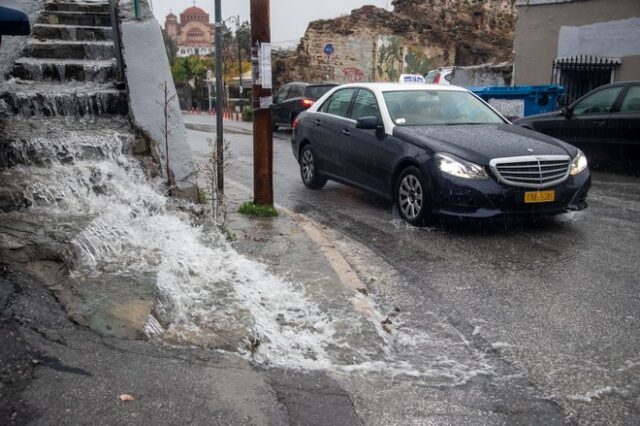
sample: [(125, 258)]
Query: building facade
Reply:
[(193, 33), (579, 44)]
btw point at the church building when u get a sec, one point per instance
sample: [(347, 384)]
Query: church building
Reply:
[(193, 33)]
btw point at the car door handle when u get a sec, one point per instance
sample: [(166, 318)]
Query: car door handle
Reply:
[(318, 122), (346, 132), (600, 123)]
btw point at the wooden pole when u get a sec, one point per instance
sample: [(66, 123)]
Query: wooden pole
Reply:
[(262, 124)]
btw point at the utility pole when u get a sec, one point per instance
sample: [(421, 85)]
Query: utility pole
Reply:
[(239, 62), (219, 100), (262, 100)]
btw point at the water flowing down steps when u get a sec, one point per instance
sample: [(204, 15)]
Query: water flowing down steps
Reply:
[(92, 50), (66, 32), (65, 70), (69, 65), (86, 7), (76, 18)]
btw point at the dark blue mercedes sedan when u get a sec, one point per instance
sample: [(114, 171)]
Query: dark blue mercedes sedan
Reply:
[(436, 151)]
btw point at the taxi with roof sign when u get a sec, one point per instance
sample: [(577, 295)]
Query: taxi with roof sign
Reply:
[(436, 151)]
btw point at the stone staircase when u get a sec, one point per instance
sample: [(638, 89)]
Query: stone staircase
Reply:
[(69, 67)]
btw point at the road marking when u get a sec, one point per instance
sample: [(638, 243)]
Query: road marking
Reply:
[(348, 277)]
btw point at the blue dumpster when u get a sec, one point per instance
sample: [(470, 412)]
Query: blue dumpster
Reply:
[(521, 101)]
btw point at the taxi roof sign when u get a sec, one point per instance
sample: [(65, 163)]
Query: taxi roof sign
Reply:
[(412, 78)]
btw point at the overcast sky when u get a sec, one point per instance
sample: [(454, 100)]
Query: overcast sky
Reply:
[(289, 18)]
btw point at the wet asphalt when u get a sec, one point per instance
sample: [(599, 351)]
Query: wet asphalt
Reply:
[(553, 305)]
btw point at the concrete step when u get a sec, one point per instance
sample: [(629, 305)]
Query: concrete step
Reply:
[(76, 18), (77, 7), (65, 70), (29, 99), (49, 141), (92, 50), (71, 33)]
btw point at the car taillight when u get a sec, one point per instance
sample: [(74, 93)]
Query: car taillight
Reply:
[(437, 79), (295, 123), (308, 103)]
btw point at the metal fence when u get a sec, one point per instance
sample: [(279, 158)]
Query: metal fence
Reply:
[(581, 74)]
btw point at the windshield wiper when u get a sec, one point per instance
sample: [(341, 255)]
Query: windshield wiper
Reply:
[(466, 124)]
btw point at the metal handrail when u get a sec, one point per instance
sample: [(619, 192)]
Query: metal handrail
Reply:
[(117, 46), (136, 8)]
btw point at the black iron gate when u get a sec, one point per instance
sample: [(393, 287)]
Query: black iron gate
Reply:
[(581, 74)]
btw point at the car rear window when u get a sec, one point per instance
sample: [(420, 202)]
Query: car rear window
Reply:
[(339, 103), (632, 100), (431, 76), (316, 92)]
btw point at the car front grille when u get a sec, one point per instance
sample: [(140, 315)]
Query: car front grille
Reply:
[(535, 171)]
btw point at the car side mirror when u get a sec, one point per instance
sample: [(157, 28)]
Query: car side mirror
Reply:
[(369, 123), (567, 112), (562, 101), (13, 22)]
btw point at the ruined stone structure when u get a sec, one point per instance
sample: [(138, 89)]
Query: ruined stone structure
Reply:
[(373, 44), (193, 34)]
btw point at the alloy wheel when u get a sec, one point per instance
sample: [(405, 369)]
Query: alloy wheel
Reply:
[(411, 197), (307, 166)]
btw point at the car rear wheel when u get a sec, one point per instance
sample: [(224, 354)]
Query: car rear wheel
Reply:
[(411, 198), (309, 169)]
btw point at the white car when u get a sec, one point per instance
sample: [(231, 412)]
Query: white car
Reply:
[(440, 76)]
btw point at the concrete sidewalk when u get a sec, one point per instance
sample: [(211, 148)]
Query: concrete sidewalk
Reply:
[(292, 245)]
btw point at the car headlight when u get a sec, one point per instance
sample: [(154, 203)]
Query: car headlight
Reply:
[(458, 167), (579, 164)]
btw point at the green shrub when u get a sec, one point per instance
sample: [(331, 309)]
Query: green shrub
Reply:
[(247, 114), (251, 209)]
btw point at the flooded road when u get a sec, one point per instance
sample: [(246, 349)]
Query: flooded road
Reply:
[(547, 313)]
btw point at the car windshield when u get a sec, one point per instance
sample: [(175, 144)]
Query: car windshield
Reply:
[(316, 92), (438, 107)]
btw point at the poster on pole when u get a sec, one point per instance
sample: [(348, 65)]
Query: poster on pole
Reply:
[(265, 66)]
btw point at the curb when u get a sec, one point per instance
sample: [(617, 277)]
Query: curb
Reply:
[(346, 274)]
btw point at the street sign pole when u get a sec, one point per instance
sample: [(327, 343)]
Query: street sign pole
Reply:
[(209, 78), (219, 100), (262, 100)]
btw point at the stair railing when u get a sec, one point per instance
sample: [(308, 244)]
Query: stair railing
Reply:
[(117, 46)]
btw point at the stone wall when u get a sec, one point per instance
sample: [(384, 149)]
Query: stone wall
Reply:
[(373, 44)]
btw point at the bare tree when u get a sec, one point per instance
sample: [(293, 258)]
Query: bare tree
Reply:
[(168, 97), (209, 172)]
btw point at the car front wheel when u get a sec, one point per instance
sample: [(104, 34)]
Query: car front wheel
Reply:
[(309, 169), (412, 198)]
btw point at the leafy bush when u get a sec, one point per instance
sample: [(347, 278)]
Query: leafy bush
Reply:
[(251, 209), (247, 114)]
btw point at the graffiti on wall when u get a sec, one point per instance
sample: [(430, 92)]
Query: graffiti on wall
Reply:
[(389, 58), (416, 62), (378, 58), (353, 74), (393, 59)]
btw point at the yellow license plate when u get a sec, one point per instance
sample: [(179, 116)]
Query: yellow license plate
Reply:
[(540, 197)]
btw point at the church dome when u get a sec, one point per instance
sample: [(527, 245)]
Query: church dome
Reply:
[(194, 14), (194, 11)]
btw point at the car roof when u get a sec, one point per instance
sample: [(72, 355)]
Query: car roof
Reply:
[(620, 83), (394, 87), (304, 83)]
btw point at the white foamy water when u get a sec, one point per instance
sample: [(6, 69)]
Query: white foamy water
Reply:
[(206, 293)]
